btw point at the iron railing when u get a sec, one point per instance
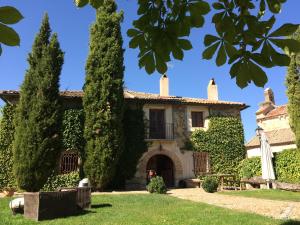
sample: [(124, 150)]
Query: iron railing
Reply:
[(163, 131)]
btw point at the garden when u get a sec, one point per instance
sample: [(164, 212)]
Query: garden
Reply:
[(146, 209)]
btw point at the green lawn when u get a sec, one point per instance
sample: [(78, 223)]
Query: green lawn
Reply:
[(267, 194), (146, 209)]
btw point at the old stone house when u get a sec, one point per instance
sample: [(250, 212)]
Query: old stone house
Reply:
[(274, 120), (171, 119)]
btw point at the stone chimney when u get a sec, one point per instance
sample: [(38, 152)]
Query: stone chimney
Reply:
[(164, 85), (269, 96), (212, 90)]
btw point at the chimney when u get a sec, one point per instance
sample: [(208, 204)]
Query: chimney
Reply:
[(164, 85), (212, 90), (269, 96)]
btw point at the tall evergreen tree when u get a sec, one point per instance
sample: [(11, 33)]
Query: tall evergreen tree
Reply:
[(37, 142), (293, 91), (7, 130), (103, 96)]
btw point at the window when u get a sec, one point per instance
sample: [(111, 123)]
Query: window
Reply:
[(69, 161), (197, 119)]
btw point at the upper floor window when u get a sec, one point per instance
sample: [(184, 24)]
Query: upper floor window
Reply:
[(197, 119)]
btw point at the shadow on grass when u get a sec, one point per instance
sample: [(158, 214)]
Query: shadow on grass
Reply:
[(97, 206), (291, 222)]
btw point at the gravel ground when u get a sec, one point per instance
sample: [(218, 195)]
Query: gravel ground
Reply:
[(271, 208)]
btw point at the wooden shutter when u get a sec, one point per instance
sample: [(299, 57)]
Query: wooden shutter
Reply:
[(197, 119)]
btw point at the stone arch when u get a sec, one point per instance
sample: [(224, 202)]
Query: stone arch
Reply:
[(142, 167)]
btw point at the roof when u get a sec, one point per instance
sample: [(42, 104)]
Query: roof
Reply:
[(146, 97), (275, 137), (277, 111)]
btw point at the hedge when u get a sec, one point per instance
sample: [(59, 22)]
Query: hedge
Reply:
[(62, 181), (224, 141), (286, 166)]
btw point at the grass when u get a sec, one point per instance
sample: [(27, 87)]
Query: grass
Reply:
[(267, 194), (146, 210)]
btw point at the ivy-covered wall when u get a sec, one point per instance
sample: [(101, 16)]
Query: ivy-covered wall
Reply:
[(7, 130), (72, 130), (224, 141)]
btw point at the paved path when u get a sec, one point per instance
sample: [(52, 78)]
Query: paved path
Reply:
[(270, 208)]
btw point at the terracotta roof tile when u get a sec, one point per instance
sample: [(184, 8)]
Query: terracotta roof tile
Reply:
[(148, 97), (275, 137), (279, 110)]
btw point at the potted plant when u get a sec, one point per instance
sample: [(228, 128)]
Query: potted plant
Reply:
[(9, 191)]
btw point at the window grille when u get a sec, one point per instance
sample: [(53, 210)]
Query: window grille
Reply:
[(69, 161)]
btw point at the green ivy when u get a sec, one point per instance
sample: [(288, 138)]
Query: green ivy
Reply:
[(7, 129), (224, 141), (62, 181), (287, 166), (72, 130), (250, 167)]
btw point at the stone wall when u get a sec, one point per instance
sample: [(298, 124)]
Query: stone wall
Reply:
[(181, 133)]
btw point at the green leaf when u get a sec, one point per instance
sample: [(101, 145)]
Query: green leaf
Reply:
[(185, 44), (161, 66), (177, 53), (291, 44), (197, 20), (210, 51), (258, 76), (149, 62), (209, 39), (132, 32), (285, 30), (134, 42), (277, 58), (200, 7), (9, 36), (230, 50), (81, 3), (235, 69), (10, 15), (261, 60), (0, 50), (218, 5), (274, 6), (221, 57), (243, 75)]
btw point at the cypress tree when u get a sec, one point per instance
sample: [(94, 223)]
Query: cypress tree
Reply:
[(37, 142), (7, 130), (103, 96), (293, 91)]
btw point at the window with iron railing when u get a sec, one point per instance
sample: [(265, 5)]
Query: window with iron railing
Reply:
[(69, 161)]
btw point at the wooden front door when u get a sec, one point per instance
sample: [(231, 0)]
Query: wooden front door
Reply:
[(163, 166), (157, 124)]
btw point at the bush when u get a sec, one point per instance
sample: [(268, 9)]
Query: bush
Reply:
[(210, 184), (249, 167), (63, 180), (157, 185), (287, 166)]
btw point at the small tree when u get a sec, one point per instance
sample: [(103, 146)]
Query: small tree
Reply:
[(37, 142), (103, 96), (7, 130), (293, 91)]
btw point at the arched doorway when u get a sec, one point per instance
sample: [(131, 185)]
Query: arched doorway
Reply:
[(164, 167)]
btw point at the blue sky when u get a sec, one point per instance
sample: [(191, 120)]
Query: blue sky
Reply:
[(187, 78)]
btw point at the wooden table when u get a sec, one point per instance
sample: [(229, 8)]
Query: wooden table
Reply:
[(222, 177)]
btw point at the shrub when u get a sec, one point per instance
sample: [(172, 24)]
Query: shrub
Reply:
[(287, 166), (63, 180), (249, 167), (157, 185), (224, 141), (210, 184)]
